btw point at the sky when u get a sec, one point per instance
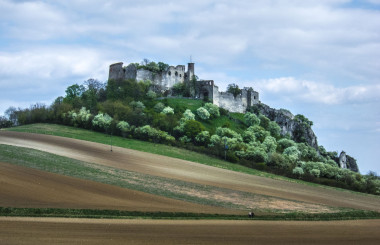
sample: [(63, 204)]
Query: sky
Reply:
[(319, 58)]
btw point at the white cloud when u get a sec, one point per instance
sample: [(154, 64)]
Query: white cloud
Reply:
[(310, 91)]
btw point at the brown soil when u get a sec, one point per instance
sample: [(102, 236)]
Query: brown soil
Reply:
[(86, 231), (30, 188), (188, 171)]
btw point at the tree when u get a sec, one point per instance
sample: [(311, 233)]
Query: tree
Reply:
[(212, 109), (233, 89), (5, 123), (102, 121), (203, 113), (168, 110), (192, 128), (251, 119), (11, 113), (163, 66)]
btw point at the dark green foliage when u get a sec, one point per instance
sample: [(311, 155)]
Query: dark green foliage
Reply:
[(5, 123), (264, 122), (179, 89), (165, 122), (193, 128), (303, 120), (126, 89), (233, 89)]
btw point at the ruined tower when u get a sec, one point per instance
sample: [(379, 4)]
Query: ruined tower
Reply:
[(190, 71)]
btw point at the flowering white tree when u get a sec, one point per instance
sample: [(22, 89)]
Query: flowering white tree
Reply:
[(102, 121), (212, 109), (168, 110), (203, 113), (84, 115)]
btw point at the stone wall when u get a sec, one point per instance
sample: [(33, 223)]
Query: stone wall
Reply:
[(229, 102)]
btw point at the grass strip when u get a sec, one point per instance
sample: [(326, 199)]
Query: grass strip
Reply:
[(121, 214)]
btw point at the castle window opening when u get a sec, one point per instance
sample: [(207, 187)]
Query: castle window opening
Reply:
[(169, 73), (180, 75), (176, 73)]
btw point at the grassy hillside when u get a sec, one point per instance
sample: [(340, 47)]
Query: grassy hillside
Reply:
[(160, 149)]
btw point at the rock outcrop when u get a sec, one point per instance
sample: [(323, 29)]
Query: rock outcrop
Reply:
[(297, 130), (348, 162)]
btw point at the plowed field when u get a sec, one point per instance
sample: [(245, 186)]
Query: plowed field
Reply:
[(85, 231), (29, 188)]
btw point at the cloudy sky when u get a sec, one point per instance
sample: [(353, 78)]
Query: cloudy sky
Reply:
[(319, 58)]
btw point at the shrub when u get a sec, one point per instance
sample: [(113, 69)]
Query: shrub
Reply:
[(203, 138), (168, 110), (251, 119), (151, 95), (315, 172), (148, 133), (102, 121), (270, 144), (256, 154), (124, 127), (137, 105), (185, 139), (188, 115), (274, 129), (260, 133), (84, 115), (264, 121), (159, 107), (298, 171), (292, 153), (203, 113), (192, 128), (285, 143), (212, 109)]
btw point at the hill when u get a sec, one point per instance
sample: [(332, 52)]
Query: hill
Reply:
[(262, 138)]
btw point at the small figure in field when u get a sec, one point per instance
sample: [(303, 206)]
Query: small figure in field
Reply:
[(251, 215)]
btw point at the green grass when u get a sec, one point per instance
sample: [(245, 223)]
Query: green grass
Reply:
[(184, 104), (120, 214), (221, 121)]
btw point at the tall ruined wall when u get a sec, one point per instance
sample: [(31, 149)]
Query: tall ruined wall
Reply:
[(161, 81), (240, 103), (116, 71), (229, 102)]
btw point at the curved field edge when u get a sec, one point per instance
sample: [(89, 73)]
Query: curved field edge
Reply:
[(119, 214), (160, 186), (159, 149)]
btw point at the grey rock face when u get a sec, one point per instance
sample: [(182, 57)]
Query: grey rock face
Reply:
[(285, 119), (343, 160)]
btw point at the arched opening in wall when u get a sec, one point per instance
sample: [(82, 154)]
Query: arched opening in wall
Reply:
[(176, 73), (205, 96), (180, 75), (169, 73)]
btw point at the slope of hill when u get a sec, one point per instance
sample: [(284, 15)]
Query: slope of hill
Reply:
[(242, 190)]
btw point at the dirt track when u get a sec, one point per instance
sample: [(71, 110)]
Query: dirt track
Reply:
[(86, 231), (29, 188), (188, 171)]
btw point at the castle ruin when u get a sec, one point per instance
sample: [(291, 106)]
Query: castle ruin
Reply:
[(202, 89)]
